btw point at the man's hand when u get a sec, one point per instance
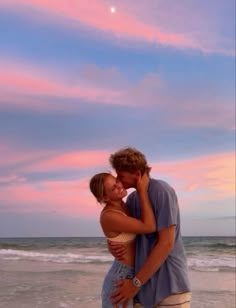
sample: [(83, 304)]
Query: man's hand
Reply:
[(126, 290), (118, 250)]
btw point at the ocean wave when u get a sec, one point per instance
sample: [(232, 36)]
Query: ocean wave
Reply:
[(196, 263), (217, 244), (209, 264), (192, 244), (50, 243), (11, 254)]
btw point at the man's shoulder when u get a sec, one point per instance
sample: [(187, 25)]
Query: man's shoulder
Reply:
[(160, 186), (155, 188)]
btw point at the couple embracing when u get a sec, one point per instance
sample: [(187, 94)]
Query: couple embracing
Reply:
[(144, 236)]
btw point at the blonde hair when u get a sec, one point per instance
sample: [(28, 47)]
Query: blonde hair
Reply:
[(130, 160), (96, 185)]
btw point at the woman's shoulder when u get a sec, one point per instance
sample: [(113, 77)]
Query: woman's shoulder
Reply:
[(109, 211)]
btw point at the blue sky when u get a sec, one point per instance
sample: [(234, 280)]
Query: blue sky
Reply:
[(79, 82)]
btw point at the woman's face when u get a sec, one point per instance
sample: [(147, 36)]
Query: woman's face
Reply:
[(113, 189)]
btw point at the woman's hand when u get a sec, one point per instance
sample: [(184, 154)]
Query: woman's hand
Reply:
[(142, 184)]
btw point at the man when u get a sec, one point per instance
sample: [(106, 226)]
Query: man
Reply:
[(161, 274)]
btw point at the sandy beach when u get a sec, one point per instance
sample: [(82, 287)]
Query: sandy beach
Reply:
[(55, 285)]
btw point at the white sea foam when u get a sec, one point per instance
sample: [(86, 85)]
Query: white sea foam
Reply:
[(196, 263), (203, 254), (209, 263), (12, 254)]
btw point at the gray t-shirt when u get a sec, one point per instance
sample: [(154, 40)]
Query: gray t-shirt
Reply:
[(172, 276)]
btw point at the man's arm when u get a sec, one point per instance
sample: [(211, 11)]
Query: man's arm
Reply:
[(118, 250), (158, 254), (156, 258)]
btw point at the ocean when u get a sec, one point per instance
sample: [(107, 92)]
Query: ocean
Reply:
[(68, 272)]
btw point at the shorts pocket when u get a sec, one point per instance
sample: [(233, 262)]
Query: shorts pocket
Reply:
[(121, 275)]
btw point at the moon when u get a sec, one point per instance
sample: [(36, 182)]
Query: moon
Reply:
[(113, 9)]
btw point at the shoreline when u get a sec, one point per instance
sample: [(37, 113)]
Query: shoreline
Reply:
[(24, 283)]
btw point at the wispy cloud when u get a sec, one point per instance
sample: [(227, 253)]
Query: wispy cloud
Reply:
[(72, 161), (127, 23), (201, 23), (213, 174), (31, 87), (29, 160), (210, 177), (28, 86), (30, 81), (62, 197), (11, 179)]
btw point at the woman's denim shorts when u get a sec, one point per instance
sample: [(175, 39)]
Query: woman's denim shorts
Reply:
[(117, 272)]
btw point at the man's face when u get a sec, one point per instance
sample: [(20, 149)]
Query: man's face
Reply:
[(128, 179)]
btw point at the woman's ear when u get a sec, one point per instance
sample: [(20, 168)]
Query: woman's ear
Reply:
[(105, 199)]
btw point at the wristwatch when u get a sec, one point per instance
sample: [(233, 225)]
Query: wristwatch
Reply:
[(136, 282)]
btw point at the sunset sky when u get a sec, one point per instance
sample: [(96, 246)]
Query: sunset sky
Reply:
[(81, 79)]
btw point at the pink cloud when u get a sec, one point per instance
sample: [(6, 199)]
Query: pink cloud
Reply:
[(13, 155), (204, 110), (17, 79), (9, 179), (213, 174), (204, 178), (31, 87), (127, 23), (28, 160), (73, 160), (214, 34), (26, 86), (69, 198)]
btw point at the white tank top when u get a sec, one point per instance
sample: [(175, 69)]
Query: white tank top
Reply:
[(123, 237)]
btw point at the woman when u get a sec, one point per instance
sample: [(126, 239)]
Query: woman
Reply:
[(118, 226)]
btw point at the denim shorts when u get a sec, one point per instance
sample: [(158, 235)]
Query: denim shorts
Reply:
[(117, 272)]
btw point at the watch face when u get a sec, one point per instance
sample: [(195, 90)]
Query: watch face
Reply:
[(136, 282)]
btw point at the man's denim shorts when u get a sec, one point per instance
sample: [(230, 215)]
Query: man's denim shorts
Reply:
[(117, 272)]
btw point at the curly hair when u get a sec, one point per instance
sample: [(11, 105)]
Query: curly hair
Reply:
[(129, 159)]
